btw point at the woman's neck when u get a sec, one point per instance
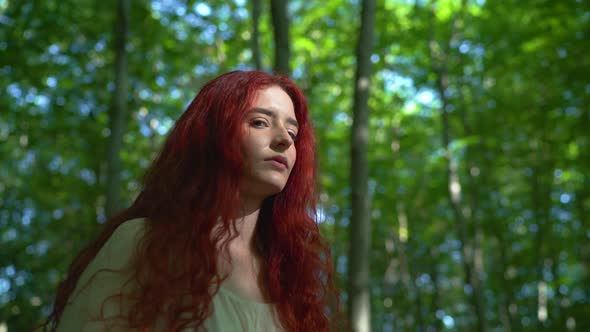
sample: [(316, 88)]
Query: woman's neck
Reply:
[(245, 227), (246, 223)]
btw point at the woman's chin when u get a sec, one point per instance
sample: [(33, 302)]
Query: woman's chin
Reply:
[(273, 188), (263, 189)]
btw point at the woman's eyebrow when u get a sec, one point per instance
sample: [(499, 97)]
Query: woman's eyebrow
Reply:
[(273, 114)]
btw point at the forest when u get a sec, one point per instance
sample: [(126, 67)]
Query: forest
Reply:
[(453, 143)]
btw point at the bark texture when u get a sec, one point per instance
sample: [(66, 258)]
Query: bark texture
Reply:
[(359, 305), (256, 9), (118, 111), (280, 25)]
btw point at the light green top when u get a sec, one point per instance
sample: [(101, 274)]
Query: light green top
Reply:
[(231, 312)]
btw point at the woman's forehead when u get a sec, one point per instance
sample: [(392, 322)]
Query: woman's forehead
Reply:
[(273, 101)]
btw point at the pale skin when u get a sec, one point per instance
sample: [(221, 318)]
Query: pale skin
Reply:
[(269, 130)]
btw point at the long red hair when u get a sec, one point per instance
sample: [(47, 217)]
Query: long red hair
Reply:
[(192, 186)]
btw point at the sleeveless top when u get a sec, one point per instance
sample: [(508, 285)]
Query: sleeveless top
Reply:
[(231, 311)]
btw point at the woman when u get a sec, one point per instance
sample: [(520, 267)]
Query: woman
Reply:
[(222, 236)]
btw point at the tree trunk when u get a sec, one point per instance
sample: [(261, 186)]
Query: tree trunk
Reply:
[(455, 199), (506, 295), (280, 24), (118, 111), (582, 196), (440, 59), (500, 264), (409, 266), (359, 305), (541, 187), (435, 302), (256, 10)]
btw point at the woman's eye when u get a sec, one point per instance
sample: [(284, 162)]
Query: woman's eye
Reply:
[(258, 123), (293, 136)]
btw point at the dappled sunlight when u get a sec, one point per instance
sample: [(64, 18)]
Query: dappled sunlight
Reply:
[(477, 144)]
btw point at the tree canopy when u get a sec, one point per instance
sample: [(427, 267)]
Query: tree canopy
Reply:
[(478, 152)]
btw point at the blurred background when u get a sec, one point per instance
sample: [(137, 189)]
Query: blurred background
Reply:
[(466, 207)]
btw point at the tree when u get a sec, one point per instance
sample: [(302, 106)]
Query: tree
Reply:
[(280, 25), (118, 112), (359, 305), (462, 211), (255, 10), (516, 95)]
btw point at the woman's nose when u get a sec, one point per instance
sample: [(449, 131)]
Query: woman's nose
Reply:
[(282, 137)]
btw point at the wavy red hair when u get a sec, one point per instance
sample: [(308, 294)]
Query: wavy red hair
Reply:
[(192, 186)]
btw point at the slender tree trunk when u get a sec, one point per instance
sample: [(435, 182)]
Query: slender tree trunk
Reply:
[(409, 267), (506, 296), (470, 210), (541, 187), (455, 199), (359, 305), (501, 259), (435, 302), (406, 275), (583, 195), (404, 244), (118, 111), (280, 24), (580, 135), (456, 202), (541, 300), (462, 214), (415, 296), (256, 10)]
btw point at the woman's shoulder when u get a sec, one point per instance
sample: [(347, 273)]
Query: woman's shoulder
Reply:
[(130, 229), (118, 249), (116, 254), (127, 234), (106, 275)]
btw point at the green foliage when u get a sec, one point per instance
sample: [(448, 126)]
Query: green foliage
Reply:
[(517, 93)]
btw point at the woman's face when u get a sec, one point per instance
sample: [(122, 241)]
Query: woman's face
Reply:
[(270, 129)]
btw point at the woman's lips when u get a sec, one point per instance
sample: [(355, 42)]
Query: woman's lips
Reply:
[(279, 162)]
